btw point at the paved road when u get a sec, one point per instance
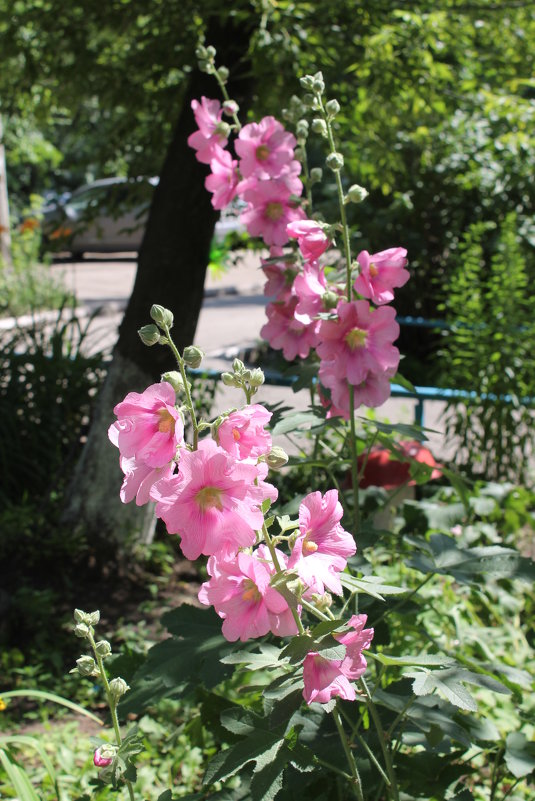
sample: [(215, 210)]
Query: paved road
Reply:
[(231, 317)]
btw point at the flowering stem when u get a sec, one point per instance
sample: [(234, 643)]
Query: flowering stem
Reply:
[(189, 401), (393, 788), (112, 703), (227, 99), (356, 783), (275, 560)]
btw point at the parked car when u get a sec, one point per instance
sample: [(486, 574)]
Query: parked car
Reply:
[(107, 216)]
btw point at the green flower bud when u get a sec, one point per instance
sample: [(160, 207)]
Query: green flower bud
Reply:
[(118, 687), (332, 107), (193, 356), (86, 665), (222, 129), (79, 616), (200, 51), (276, 458), (335, 161), (238, 366), (257, 377), (161, 316), (356, 194), (223, 74), (323, 602), (230, 107), (307, 82), (210, 51), (103, 648), (149, 335), (319, 126), (316, 174), (174, 378), (81, 630), (229, 379), (93, 618), (330, 300), (246, 375), (309, 101), (318, 84), (301, 129)]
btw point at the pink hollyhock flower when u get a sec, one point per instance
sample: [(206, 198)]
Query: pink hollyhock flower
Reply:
[(323, 547), (284, 332), (269, 211), (149, 427), (280, 277), (101, 761), (139, 479), (359, 341), (354, 664), (243, 434), (380, 273), (324, 679), (224, 178), (309, 288), (213, 502), (265, 148), (310, 238), (372, 391), (240, 592), (208, 117)]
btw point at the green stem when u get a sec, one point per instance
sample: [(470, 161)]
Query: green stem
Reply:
[(275, 560), (189, 401), (111, 703), (355, 782), (393, 789)]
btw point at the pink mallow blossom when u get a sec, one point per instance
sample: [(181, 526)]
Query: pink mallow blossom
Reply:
[(380, 273), (240, 592), (139, 479), (101, 761), (269, 210), (326, 678), (309, 287), (279, 279), (284, 332), (149, 427), (208, 117), (358, 341), (223, 180), (323, 547), (372, 391), (213, 501), (310, 237), (243, 433), (265, 149)]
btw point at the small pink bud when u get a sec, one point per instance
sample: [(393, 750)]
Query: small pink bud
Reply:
[(101, 761)]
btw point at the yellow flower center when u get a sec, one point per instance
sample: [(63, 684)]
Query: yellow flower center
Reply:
[(167, 422), (250, 592), (309, 546), (208, 498), (262, 152), (356, 338), (236, 434), (374, 271), (274, 211)]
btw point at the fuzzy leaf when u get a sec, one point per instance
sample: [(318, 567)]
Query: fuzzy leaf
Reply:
[(261, 747), (519, 754), (370, 585), (425, 682)]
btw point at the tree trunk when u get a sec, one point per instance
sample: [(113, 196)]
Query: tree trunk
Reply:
[(171, 271)]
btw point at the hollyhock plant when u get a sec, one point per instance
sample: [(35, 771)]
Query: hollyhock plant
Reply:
[(284, 332), (209, 137), (269, 210), (223, 180), (354, 664), (139, 479), (322, 547), (380, 273), (213, 501), (149, 427), (265, 149), (310, 287), (325, 679), (372, 391), (358, 341), (280, 278), (240, 592), (310, 237), (243, 433), (99, 758)]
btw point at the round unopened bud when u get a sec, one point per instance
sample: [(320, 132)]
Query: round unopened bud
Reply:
[(307, 82), (118, 687), (238, 366), (200, 51), (79, 616), (223, 74), (104, 755), (309, 101), (276, 458), (230, 107), (323, 602), (103, 648), (174, 378), (81, 630), (222, 129), (332, 107), (316, 174), (356, 194), (246, 374), (161, 316), (149, 334), (257, 377), (93, 618), (229, 379), (330, 300), (319, 126), (318, 84), (193, 356), (210, 51), (301, 129), (86, 665), (335, 161)]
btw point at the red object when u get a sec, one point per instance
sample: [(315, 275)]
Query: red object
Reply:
[(382, 470)]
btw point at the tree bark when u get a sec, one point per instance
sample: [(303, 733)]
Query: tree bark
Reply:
[(171, 271)]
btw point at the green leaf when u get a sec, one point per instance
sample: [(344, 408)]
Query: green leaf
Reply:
[(57, 699), (407, 661), (260, 747), (18, 777), (297, 421), (426, 682), (519, 755), (269, 656), (267, 779), (370, 585)]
